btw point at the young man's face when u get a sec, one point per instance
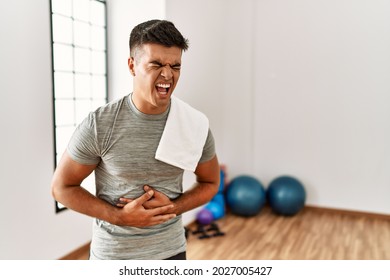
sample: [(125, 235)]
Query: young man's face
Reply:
[(156, 71)]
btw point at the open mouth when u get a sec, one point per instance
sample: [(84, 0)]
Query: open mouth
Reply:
[(163, 88)]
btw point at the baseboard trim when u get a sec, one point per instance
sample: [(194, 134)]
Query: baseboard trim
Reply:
[(348, 212)]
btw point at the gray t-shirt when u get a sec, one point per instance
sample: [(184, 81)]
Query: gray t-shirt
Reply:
[(123, 141)]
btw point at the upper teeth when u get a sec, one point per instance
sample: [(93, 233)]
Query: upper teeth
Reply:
[(164, 85)]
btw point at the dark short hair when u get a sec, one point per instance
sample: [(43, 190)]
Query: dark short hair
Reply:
[(156, 31)]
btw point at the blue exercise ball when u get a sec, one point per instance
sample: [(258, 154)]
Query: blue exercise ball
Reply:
[(286, 195), (220, 199), (245, 196), (216, 209)]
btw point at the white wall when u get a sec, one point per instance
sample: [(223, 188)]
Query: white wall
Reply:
[(122, 16), (322, 99), (30, 229), (298, 88)]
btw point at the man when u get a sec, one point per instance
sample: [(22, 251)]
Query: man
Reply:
[(139, 199)]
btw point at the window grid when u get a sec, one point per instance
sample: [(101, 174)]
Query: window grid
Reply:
[(79, 60)]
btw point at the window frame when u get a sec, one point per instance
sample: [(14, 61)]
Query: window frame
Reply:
[(59, 207)]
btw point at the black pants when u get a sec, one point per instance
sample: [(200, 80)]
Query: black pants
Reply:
[(180, 256)]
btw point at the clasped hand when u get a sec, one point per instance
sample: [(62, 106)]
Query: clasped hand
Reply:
[(151, 208)]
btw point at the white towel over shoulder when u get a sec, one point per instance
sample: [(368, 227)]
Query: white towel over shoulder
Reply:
[(184, 136)]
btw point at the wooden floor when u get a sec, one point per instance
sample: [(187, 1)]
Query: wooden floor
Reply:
[(313, 234), (81, 253)]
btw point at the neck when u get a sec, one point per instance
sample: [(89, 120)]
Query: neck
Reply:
[(147, 106)]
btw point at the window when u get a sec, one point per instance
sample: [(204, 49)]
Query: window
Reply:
[(79, 66)]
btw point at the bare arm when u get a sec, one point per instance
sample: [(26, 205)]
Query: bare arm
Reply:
[(66, 189), (205, 188)]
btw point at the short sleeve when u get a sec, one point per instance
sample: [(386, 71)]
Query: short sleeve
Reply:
[(208, 149), (83, 145)]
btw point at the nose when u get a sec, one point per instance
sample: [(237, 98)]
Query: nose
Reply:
[(166, 72)]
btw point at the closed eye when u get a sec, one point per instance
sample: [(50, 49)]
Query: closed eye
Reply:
[(158, 64)]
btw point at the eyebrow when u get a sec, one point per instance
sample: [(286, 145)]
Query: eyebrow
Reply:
[(156, 62)]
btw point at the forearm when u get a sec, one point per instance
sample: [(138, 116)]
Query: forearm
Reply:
[(205, 188), (82, 201), (198, 195)]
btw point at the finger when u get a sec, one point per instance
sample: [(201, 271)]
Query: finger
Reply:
[(121, 205), (148, 188), (161, 219), (125, 200), (161, 210), (145, 197), (156, 194)]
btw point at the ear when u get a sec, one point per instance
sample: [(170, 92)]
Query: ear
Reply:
[(130, 62)]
